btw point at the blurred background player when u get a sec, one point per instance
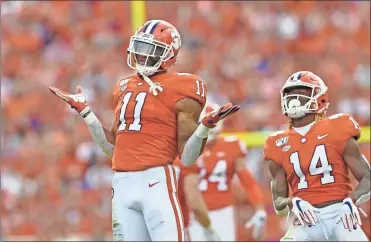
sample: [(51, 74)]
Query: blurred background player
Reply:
[(314, 157), (222, 159), (156, 115), (194, 202)]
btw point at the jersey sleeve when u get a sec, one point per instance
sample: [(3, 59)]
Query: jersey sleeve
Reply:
[(190, 86), (346, 128), (270, 152), (115, 95)]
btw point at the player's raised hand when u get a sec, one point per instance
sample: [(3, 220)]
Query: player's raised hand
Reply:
[(257, 221), (304, 211), (76, 101), (211, 119), (349, 214)]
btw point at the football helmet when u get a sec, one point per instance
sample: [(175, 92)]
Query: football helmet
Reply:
[(154, 47), (291, 104)]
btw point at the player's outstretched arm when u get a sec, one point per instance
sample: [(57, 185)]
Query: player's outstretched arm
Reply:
[(191, 136), (197, 205), (360, 169), (105, 138)]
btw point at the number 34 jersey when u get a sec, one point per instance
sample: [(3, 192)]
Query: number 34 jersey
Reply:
[(146, 124), (217, 167), (315, 169)]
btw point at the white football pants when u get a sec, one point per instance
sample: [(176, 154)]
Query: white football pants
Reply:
[(145, 206)]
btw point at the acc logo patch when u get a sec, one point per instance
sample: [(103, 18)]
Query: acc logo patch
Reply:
[(286, 148), (123, 84), (282, 141)]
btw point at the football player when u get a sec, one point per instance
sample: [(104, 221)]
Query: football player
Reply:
[(314, 157), (222, 159), (156, 118)]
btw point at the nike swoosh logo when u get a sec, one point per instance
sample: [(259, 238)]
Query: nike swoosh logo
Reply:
[(320, 137), (151, 185)]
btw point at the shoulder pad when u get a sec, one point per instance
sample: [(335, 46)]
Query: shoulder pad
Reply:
[(230, 139)]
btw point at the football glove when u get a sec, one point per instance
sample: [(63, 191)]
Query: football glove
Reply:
[(211, 235), (304, 212), (258, 222), (76, 101), (349, 214), (211, 119)]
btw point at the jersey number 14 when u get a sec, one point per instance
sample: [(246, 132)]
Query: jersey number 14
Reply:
[(325, 169)]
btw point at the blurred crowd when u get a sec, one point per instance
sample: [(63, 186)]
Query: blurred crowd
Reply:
[(55, 183)]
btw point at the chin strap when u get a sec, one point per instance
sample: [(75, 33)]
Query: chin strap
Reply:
[(153, 87)]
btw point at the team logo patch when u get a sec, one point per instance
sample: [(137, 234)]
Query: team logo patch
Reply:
[(123, 84), (282, 141), (286, 148)]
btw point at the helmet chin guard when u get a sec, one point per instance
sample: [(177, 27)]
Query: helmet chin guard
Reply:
[(293, 105)]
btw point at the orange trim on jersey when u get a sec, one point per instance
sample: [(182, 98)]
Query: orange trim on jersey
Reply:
[(170, 183), (255, 194)]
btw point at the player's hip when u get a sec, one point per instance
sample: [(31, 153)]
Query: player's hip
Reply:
[(323, 197), (162, 173), (142, 162)]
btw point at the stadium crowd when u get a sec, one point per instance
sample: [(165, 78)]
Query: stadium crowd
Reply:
[(55, 183)]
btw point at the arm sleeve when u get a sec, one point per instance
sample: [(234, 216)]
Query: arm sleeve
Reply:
[(348, 128), (194, 145), (96, 129), (255, 194), (267, 150)]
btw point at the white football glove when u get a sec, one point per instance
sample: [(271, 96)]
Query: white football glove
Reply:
[(304, 212), (258, 222), (211, 235), (349, 214)]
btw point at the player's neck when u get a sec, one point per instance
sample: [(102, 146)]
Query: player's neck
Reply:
[(303, 121)]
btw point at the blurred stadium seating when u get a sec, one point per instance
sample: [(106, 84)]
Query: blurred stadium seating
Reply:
[(55, 183)]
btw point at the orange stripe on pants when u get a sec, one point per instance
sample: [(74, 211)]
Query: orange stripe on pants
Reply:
[(170, 191)]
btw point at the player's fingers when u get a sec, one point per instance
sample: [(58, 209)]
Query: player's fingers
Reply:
[(230, 111), (310, 218), (353, 222), (314, 214), (357, 217), (58, 93), (347, 222), (300, 218), (249, 224), (363, 212), (79, 89)]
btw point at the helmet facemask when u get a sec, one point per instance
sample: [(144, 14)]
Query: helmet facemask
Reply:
[(146, 54), (298, 105)]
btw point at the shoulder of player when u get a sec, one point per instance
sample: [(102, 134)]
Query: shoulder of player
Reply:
[(235, 142), (125, 79), (277, 138), (232, 140), (340, 117), (187, 77)]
